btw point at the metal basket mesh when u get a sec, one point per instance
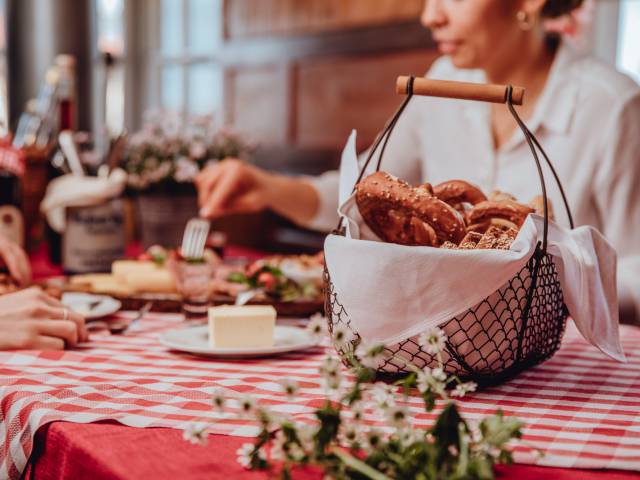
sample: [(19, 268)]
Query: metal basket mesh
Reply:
[(509, 331)]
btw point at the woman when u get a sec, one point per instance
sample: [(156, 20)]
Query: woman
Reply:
[(583, 112), (31, 319)]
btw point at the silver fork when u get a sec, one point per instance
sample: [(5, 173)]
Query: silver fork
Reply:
[(146, 308), (195, 238)]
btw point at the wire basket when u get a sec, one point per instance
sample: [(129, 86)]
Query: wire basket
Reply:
[(514, 328)]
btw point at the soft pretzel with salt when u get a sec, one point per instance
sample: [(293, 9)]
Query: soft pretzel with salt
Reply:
[(400, 213)]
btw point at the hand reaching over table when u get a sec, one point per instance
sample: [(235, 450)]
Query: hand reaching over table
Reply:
[(15, 260), (233, 186), (32, 320)]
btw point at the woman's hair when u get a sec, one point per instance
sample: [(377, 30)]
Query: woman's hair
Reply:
[(557, 8)]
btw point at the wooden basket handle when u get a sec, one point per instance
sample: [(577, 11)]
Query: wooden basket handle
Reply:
[(461, 90)]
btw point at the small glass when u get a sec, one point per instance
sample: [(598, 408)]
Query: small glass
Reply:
[(194, 284)]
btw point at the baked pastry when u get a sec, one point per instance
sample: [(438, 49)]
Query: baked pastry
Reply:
[(400, 213), (513, 213), (453, 215), (538, 205), (458, 191)]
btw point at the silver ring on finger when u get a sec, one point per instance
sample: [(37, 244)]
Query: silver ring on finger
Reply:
[(65, 314)]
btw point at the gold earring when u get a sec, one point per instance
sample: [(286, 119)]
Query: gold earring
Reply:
[(524, 20)]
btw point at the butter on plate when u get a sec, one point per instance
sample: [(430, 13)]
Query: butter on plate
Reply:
[(241, 327)]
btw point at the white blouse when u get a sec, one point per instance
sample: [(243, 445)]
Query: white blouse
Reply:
[(587, 120)]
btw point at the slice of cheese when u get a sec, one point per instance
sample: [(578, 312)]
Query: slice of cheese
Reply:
[(143, 276), (122, 268), (241, 327), (158, 280)]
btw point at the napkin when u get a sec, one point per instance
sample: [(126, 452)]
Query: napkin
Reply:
[(78, 191), (394, 292)]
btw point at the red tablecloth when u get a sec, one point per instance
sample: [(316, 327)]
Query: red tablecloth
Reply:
[(113, 451), (106, 451)]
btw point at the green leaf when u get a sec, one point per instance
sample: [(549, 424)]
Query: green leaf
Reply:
[(359, 466), (237, 277)]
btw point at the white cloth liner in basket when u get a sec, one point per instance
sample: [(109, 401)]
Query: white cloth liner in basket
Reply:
[(393, 292)]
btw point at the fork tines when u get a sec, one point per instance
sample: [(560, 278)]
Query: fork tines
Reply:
[(195, 237)]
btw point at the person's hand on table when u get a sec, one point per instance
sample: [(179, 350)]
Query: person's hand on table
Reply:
[(233, 186), (16, 261), (32, 320)]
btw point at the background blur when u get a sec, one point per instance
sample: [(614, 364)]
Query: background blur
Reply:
[(293, 75)]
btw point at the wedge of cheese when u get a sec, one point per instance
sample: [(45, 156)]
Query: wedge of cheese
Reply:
[(241, 327)]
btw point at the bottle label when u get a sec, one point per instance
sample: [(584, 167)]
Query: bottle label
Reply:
[(94, 238), (12, 223)]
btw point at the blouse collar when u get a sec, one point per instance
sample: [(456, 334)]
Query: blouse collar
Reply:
[(555, 108)]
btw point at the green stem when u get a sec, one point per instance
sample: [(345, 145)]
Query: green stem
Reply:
[(358, 465)]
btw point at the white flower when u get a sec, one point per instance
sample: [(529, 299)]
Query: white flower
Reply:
[(462, 389), (218, 400), (350, 435), (195, 433), (439, 374), (290, 387), (383, 395), (374, 438), (370, 356), (331, 374), (316, 327), (247, 404), (186, 170), (433, 340), (278, 447), (245, 453), (197, 150), (422, 380), (341, 336), (431, 379), (358, 414), (397, 416)]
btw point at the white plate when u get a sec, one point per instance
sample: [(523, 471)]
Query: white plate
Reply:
[(91, 306), (196, 340)]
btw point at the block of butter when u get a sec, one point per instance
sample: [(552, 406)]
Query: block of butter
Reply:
[(243, 327)]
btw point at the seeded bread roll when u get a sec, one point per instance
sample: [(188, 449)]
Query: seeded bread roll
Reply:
[(459, 191), (400, 213)]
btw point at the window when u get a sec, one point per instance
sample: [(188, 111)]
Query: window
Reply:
[(629, 38), (110, 42), (186, 72)]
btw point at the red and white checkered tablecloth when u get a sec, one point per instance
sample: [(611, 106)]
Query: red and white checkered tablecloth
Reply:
[(581, 408)]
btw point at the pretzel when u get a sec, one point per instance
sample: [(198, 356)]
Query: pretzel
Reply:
[(538, 205), (513, 212), (498, 196), (458, 191), (400, 213)]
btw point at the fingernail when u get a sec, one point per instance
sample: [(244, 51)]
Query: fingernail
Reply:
[(204, 212)]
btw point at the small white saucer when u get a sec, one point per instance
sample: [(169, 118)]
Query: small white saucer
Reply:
[(91, 306), (196, 340)]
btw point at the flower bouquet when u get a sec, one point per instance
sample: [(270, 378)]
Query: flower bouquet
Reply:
[(170, 150), (363, 430), (162, 161)]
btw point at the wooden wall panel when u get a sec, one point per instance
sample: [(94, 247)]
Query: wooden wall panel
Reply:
[(245, 18), (335, 96), (257, 102)]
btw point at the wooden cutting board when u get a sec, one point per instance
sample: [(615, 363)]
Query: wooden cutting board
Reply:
[(172, 303)]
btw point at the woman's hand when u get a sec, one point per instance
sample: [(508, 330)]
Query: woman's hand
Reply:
[(16, 261), (233, 186), (32, 320)]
